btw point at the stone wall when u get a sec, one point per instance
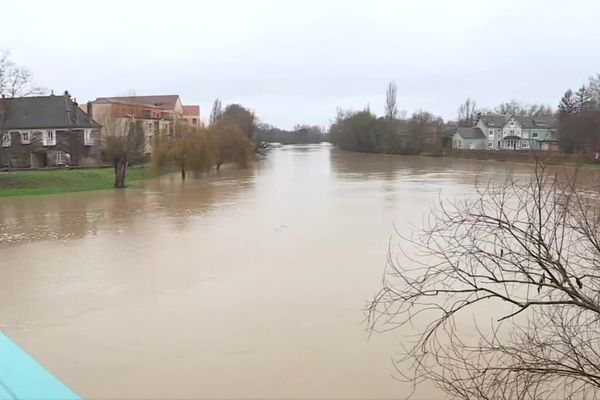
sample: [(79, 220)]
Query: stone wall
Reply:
[(36, 155)]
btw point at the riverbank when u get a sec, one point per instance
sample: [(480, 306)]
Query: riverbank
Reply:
[(30, 183), (552, 158)]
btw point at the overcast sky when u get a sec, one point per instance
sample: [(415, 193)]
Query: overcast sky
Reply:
[(297, 61)]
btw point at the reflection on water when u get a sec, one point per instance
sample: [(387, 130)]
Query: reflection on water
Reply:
[(243, 284), (79, 215)]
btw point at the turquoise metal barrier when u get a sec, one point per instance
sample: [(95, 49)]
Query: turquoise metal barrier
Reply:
[(21, 377)]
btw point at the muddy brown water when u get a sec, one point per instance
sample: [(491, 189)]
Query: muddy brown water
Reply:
[(243, 284)]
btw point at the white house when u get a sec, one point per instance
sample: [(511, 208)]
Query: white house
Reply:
[(511, 132)]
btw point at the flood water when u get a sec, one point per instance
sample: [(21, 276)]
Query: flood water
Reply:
[(242, 284)]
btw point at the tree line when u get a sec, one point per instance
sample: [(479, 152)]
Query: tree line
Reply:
[(391, 133), (579, 118), (300, 134)]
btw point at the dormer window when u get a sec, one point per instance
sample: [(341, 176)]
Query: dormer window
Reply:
[(512, 123)]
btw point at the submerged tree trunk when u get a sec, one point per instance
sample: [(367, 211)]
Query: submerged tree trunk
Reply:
[(120, 164)]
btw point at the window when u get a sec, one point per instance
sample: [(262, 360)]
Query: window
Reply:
[(511, 132), (534, 135), (6, 139), (25, 137), (61, 158), (490, 145), (88, 137), (512, 123), (49, 138), (525, 144), (194, 121), (491, 132)]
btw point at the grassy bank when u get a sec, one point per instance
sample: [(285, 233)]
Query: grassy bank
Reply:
[(28, 183)]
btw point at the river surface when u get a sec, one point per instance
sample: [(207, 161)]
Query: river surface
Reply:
[(243, 284)]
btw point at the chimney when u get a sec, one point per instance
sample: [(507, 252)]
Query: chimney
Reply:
[(89, 109)]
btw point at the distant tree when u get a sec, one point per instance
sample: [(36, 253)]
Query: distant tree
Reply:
[(512, 107), (391, 98), (232, 142), (15, 80), (466, 112), (582, 99), (539, 110), (355, 130), (426, 131), (242, 117), (567, 105), (300, 134), (216, 112), (594, 91)]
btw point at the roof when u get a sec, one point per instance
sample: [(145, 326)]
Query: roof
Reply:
[(43, 112), (541, 122), (470, 133), (191, 110), (494, 120), (166, 102)]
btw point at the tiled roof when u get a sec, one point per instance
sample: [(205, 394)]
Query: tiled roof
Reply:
[(191, 110), (43, 112), (166, 102)]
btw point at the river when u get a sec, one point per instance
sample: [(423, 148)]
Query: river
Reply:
[(243, 284)]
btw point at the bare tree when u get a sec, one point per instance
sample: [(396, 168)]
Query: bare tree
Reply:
[(15, 80), (539, 110), (216, 112), (512, 107), (121, 142), (506, 289), (391, 98), (466, 112)]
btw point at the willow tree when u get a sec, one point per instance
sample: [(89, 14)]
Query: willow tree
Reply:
[(233, 144), (505, 287), (188, 148)]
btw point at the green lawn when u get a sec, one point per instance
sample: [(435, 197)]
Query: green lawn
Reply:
[(27, 183)]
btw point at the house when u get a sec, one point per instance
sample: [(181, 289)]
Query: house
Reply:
[(492, 125), (513, 132), (46, 131), (154, 114), (191, 115), (469, 138)]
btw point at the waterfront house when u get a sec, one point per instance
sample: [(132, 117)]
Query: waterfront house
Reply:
[(46, 131), (469, 138), (154, 114), (512, 132)]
